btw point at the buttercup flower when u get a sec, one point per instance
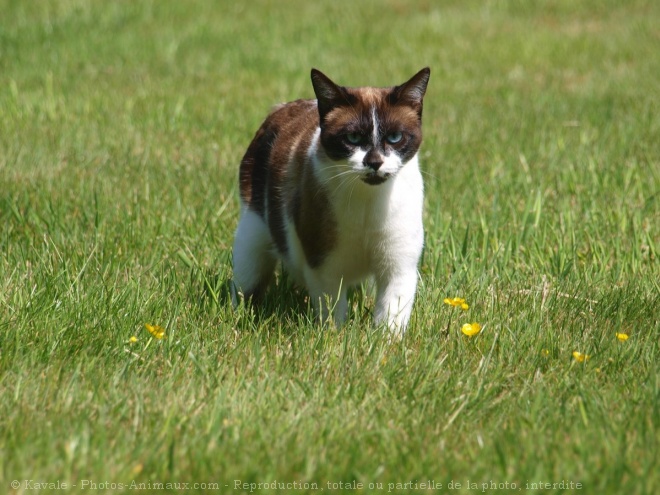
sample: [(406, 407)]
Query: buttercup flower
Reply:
[(133, 339), (580, 357), (545, 352), (622, 336), (471, 329), (155, 330), (457, 301)]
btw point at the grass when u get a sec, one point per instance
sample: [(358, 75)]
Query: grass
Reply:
[(121, 128)]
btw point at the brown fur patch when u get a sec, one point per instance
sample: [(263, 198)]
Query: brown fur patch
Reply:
[(275, 171), (315, 224)]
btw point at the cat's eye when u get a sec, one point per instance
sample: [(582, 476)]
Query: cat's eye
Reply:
[(354, 137), (394, 137)]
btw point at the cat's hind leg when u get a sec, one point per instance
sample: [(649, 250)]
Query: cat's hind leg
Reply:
[(253, 256)]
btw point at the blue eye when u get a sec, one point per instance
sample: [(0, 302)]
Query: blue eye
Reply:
[(354, 138), (394, 137)]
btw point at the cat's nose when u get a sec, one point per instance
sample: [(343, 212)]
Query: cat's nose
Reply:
[(373, 160)]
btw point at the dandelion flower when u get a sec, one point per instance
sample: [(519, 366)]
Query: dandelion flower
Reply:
[(622, 336), (471, 329), (133, 339), (580, 357), (155, 330), (457, 302)]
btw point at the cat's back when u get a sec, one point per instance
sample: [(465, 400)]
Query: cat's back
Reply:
[(284, 137)]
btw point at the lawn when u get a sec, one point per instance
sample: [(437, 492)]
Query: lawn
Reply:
[(122, 125)]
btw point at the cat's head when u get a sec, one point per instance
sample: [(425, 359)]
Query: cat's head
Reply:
[(375, 131)]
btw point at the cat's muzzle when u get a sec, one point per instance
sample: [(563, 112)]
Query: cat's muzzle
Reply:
[(375, 178)]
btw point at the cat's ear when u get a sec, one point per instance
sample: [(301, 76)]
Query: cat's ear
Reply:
[(328, 94), (412, 91)]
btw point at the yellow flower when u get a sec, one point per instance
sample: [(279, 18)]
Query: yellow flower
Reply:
[(545, 352), (133, 339), (155, 330), (471, 329), (622, 336), (580, 357), (457, 301)]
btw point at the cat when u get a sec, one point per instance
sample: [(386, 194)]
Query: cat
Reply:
[(332, 187)]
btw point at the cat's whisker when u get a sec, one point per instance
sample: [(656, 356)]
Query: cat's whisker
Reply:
[(343, 168), (429, 174), (342, 174), (345, 178), (350, 194)]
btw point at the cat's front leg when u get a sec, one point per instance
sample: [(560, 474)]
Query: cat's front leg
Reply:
[(394, 300), (328, 298)]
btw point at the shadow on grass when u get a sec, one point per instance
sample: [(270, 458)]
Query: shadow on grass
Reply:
[(282, 302), (284, 305)]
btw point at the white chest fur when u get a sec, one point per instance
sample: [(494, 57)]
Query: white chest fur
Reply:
[(379, 236), (378, 227)]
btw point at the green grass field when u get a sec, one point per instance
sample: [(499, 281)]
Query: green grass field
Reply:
[(122, 125)]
